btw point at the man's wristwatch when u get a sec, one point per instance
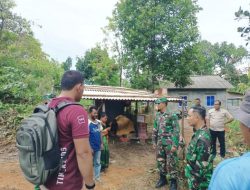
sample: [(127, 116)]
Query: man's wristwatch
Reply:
[(90, 186)]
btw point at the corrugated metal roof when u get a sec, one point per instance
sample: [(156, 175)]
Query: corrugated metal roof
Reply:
[(205, 82), (96, 92)]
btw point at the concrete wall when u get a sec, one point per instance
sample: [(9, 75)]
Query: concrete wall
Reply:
[(233, 102), (197, 93)]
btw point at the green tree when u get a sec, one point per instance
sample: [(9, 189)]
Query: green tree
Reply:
[(155, 37), (227, 57), (244, 30), (245, 33), (67, 64), (98, 68), (205, 58), (221, 59), (10, 21), (112, 43), (26, 71)]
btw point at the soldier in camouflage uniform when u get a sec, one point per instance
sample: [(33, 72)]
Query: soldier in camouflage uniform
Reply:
[(199, 159), (165, 138)]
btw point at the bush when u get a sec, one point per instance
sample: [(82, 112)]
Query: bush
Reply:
[(10, 117), (234, 139)]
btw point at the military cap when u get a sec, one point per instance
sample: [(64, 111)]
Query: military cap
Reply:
[(160, 100)]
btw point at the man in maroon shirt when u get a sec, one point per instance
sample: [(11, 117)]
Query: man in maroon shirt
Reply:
[(73, 132)]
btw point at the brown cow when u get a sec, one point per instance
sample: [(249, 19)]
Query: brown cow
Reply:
[(124, 125)]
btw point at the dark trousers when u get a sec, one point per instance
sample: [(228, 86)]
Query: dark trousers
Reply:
[(221, 137)]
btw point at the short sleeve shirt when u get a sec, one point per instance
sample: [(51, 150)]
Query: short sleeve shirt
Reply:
[(232, 174), (217, 118), (72, 122)]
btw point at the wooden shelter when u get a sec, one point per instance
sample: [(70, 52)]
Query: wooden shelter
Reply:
[(117, 101)]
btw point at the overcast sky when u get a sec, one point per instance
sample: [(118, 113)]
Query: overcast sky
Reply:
[(69, 28)]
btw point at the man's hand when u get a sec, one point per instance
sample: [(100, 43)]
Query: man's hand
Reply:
[(181, 138), (105, 132), (84, 188), (228, 121), (154, 146), (173, 149)]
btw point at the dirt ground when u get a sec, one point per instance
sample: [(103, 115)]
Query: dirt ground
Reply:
[(132, 167)]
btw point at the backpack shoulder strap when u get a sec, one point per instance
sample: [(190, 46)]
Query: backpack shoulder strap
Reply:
[(41, 107), (64, 104)]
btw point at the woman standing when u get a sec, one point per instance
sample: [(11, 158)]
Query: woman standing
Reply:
[(105, 150)]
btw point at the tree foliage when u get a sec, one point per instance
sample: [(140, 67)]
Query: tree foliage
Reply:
[(67, 64), (113, 44), (245, 33), (244, 30), (26, 71), (205, 56), (98, 68), (221, 59), (10, 21), (156, 36)]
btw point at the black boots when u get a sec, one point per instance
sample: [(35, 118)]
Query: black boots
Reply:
[(173, 184), (162, 181)]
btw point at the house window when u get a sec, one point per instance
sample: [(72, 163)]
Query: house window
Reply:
[(210, 100), (183, 97)]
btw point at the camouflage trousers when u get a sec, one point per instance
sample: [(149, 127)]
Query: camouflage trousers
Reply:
[(167, 161), (196, 182)]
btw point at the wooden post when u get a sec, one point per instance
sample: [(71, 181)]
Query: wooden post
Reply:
[(103, 107), (136, 114), (182, 124)]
